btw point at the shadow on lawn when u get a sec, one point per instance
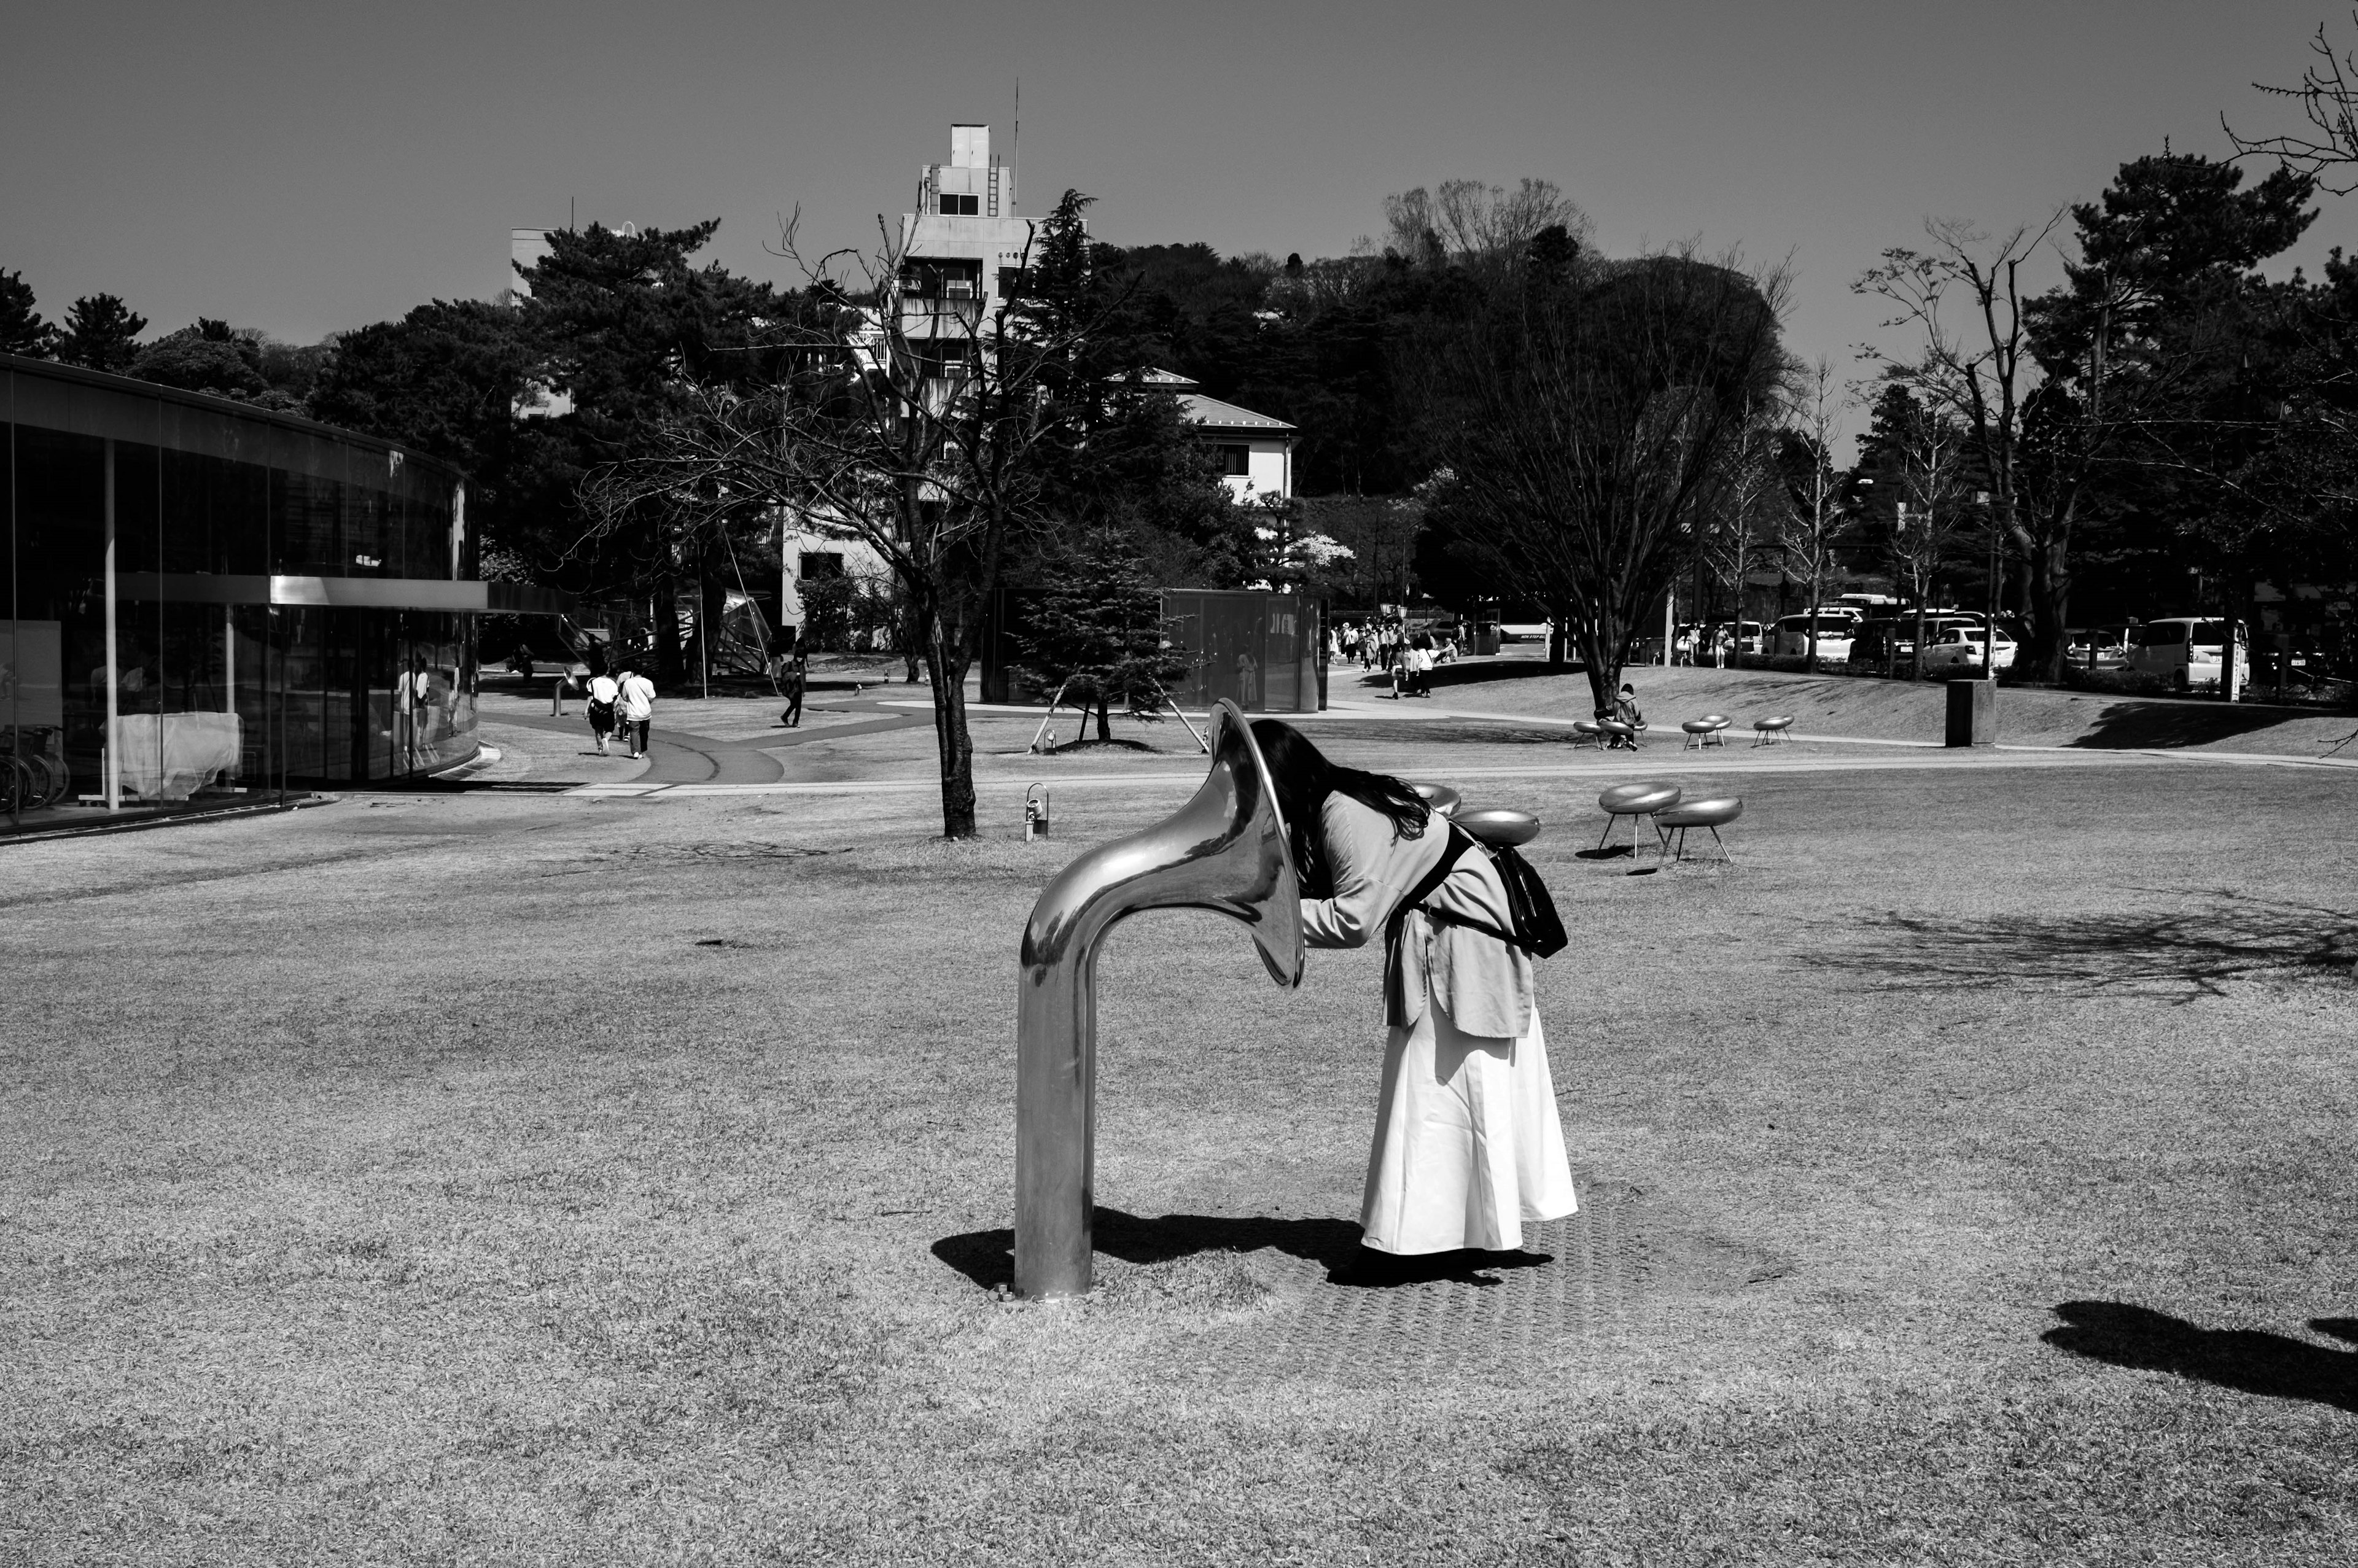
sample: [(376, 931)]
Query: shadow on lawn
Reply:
[(987, 1257), (2179, 955), (2250, 1360), (2174, 724)]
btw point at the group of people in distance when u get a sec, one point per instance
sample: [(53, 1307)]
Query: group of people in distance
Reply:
[(1388, 645)]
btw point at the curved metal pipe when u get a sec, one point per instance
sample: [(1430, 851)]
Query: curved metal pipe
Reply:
[(1225, 850)]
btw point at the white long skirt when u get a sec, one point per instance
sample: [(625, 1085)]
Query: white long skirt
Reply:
[(1467, 1143)]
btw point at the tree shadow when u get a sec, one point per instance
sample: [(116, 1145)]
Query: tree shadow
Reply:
[(2249, 1359), (2181, 956), (2166, 723), (987, 1257)]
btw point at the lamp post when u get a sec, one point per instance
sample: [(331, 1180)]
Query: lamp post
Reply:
[(1989, 632)]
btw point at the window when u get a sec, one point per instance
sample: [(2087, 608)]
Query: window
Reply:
[(1235, 459), (955, 206), (1014, 282), (818, 563)]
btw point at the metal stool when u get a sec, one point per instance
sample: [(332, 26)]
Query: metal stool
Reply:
[(1617, 735), (1634, 801), (1708, 815), (1768, 731), (1585, 730), (1704, 731)]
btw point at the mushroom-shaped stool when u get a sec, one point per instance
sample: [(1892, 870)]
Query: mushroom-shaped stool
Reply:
[(1585, 731), (1443, 800), (1712, 814), (1634, 801), (1768, 731), (1500, 827), (1701, 732), (1617, 735)]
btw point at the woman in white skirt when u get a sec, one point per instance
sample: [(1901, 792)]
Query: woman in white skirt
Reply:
[(1468, 1146)]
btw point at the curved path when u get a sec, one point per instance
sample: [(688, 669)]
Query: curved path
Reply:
[(683, 757)]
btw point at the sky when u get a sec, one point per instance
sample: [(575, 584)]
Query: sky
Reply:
[(306, 168)]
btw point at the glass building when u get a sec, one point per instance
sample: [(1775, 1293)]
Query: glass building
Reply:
[(201, 601)]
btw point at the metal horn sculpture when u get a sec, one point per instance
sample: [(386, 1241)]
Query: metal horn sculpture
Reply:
[(1225, 850)]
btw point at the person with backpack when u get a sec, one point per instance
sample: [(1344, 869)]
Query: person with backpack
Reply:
[(637, 697), (1468, 1147), (604, 692)]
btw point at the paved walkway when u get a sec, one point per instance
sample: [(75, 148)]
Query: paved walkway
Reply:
[(682, 757)]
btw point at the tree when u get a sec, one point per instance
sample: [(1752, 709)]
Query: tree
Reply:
[(1485, 227), (2328, 95), (101, 333), (22, 330), (1985, 376), (2160, 371), (908, 422), (1589, 410), (1736, 529), (1811, 522), (635, 332), (1914, 457), (446, 379), (206, 357), (1097, 632)]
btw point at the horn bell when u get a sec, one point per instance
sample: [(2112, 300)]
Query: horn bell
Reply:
[(1225, 850)]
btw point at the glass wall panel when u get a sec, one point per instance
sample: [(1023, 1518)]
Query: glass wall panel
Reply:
[(142, 665), (60, 506)]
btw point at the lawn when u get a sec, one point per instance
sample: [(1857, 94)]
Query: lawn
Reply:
[(493, 1179)]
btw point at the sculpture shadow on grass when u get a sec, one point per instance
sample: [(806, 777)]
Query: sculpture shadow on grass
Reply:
[(2249, 1359), (987, 1257), (2177, 955)]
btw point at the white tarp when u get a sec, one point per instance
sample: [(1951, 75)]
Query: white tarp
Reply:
[(170, 756)]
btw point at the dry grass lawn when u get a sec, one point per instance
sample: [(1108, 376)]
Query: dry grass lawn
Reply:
[(532, 1180)]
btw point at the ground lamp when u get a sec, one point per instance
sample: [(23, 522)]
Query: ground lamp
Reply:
[(1225, 850)]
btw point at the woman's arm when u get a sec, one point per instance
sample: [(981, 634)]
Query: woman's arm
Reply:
[(1356, 841)]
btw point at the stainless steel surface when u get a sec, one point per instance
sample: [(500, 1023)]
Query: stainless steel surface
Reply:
[(1441, 797), (1224, 850), (1499, 826), (1638, 799)]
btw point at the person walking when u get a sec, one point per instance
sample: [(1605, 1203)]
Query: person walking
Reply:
[(1467, 1148), (795, 682), (637, 696), (604, 692)]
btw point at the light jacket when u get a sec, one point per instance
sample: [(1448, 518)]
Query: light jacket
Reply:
[(638, 698), (1484, 984)]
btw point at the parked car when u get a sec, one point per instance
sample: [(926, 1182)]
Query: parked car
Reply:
[(1835, 630), (1889, 642), (1960, 647), (2099, 647), (2183, 649)]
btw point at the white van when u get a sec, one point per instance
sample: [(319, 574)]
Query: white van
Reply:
[(2183, 649), (1791, 637)]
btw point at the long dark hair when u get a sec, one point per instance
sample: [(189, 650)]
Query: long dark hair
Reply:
[(1304, 778)]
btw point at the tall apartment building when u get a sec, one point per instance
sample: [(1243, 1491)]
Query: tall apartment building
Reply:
[(963, 246)]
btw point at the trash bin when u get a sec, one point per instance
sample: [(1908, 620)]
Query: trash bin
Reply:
[(1972, 713)]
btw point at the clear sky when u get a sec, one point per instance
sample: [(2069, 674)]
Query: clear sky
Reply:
[(305, 167)]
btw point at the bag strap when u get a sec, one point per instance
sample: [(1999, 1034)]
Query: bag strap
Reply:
[(1441, 918), (1395, 1004)]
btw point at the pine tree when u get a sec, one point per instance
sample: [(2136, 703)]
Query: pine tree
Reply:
[(22, 330), (1096, 631), (101, 333)]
